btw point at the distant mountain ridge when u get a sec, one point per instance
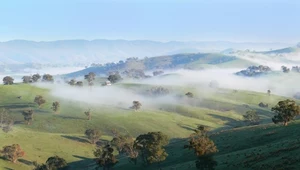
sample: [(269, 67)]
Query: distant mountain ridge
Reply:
[(102, 51)]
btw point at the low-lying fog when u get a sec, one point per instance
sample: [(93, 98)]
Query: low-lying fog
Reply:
[(279, 83), (48, 70), (285, 84)]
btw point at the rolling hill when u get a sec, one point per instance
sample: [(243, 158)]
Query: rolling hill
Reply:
[(62, 134)]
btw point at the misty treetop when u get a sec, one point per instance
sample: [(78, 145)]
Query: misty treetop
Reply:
[(115, 77), (253, 71), (39, 100), (7, 80), (90, 78), (48, 78)]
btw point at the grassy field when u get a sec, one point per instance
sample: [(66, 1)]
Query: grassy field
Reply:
[(62, 134)]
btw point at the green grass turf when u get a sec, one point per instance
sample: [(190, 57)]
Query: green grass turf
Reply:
[(62, 134)]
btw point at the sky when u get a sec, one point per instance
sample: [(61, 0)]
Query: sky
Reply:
[(159, 20)]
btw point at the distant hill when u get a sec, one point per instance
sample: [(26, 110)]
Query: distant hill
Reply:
[(102, 51), (284, 50), (177, 61)]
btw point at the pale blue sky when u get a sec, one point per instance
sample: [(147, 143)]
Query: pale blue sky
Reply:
[(163, 20)]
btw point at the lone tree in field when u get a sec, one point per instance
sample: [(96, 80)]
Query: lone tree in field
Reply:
[(7, 80), (136, 105), (52, 163), (28, 116), (114, 78), (189, 94), (90, 78), (48, 78), (269, 92), (6, 121), (55, 106), (105, 157), (72, 82), (93, 135), (204, 148), (286, 111), (252, 117), (285, 69), (79, 83), (12, 153), (88, 114), (151, 147), (27, 79), (39, 100), (35, 77)]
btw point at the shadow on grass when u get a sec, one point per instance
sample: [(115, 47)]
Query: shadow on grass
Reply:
[(102, 142), (5, 168), (16, 106), (229, 121), (77, 139), (25, 161), (186, 127), (18, 122), (85, 163), (70, 117)]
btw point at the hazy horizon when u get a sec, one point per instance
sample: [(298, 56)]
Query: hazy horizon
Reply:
[(177, 20)]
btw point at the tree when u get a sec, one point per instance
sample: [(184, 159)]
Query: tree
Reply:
[(88, 114), (189, 94), (79, 83), (151, 147), (12, 152), (90, 78), (52, 163), (28, 116), (35, 77), (27, 79), (114, 78), (48, 78), (7, 80), (261, 104), (39, 100), (72, 82), (93, 135), (203, 147), (286, 111), (157, 73), (105, 157), (6, 121), (158, 91), (269, 92), (252, 117), (55, 106), (125, 145), (136, 105), (56, 162), (285, 69)]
